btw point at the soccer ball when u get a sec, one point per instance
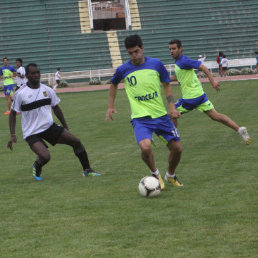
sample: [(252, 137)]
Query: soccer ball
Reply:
[(149, 186)]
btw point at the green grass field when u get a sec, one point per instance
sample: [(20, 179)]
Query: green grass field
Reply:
[(67, 215)]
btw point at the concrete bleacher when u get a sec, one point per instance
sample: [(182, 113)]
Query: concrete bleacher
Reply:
[(50, 33)]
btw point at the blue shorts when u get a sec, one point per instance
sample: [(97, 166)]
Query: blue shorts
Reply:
[(162, 126), (201, 103), (8, 89)]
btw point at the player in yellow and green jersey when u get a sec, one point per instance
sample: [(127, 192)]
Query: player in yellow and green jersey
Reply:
[(7, 72), (142, 77), (193, 96)]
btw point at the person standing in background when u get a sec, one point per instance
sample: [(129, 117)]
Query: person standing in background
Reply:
[(224, 64), (20, 75), (57, 78), (7, 72)]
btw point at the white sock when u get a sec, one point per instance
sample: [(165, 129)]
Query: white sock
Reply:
[(156, 173), (168, 175)]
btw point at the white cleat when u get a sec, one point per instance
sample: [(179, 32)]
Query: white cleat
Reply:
[(242, 131)]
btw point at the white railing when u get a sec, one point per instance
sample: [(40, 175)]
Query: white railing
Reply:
[(49, 78)]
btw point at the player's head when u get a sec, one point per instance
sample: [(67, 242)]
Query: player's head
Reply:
[(256, 52), (5, 61), (33, 73), (224, 56), (175, 48), (58, 69), (134, 47), (19, 62)]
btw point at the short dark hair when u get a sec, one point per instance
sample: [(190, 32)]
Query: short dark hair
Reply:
[(175, 41), (19, 60), (133, 41), (27, 69), (58, 68), (5, 58), (256, 52)]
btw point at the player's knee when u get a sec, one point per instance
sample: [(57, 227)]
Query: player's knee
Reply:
[(146, 148), (45, 157)]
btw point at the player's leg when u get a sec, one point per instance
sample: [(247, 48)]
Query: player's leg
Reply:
[(143, 130), (68, 138), (174, 157), (168, 133), (148, 158), (8, 90), (147, 154), (221, 118), (40, 149)]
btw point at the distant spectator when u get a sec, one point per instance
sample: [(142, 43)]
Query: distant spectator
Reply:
[(219, 58), (201, 59), (7, 72), (57, 78), (224, 64), (20, 75), (256, 54)]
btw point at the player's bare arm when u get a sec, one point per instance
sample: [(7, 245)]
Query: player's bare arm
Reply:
[(59, 114), (12, 124), (111, 101), (214, 84), (173, 113)]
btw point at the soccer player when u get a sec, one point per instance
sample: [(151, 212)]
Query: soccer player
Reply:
[(193, 96), (20, 75), (142, 77), (34, 101), (7, 72)]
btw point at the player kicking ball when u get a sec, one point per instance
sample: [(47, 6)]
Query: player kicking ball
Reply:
[(34, 101), (142, 77), (193, 96)]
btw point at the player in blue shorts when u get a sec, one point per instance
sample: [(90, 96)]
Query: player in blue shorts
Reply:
[(193, 96), (7, 72), (142, 77)]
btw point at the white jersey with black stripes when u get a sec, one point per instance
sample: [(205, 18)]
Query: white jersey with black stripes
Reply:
[(35, 108)]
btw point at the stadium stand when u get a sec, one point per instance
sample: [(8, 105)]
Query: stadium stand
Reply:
[(57, 33)]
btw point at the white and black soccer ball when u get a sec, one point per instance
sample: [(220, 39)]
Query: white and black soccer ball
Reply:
[(149, 186)]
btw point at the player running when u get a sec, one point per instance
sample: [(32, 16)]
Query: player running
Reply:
[(193, 96), (142, 77)]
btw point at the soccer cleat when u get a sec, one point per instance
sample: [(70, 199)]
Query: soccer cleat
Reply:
[(7, 112), (173, 180), (161, 182), (36, 175), (242, 131), (90, 172)]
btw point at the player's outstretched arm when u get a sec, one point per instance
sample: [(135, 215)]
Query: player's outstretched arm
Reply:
[(59, 114), (12, 124), (111, 101), (214, 84)]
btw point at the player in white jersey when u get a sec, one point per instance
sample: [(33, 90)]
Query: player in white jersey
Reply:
[(20, 74), (57, 78), (34, 101)]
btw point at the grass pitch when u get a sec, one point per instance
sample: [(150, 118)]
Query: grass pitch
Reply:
[(67, 215)]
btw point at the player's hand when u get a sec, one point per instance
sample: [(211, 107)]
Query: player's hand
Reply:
[(174, 114), (109, 113), (215, 85), (11, 141)]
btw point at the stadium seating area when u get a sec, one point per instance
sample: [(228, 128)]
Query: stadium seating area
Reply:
[(49, 32)]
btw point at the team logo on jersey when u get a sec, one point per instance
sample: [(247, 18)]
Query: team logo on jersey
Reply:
[(45, 93)]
